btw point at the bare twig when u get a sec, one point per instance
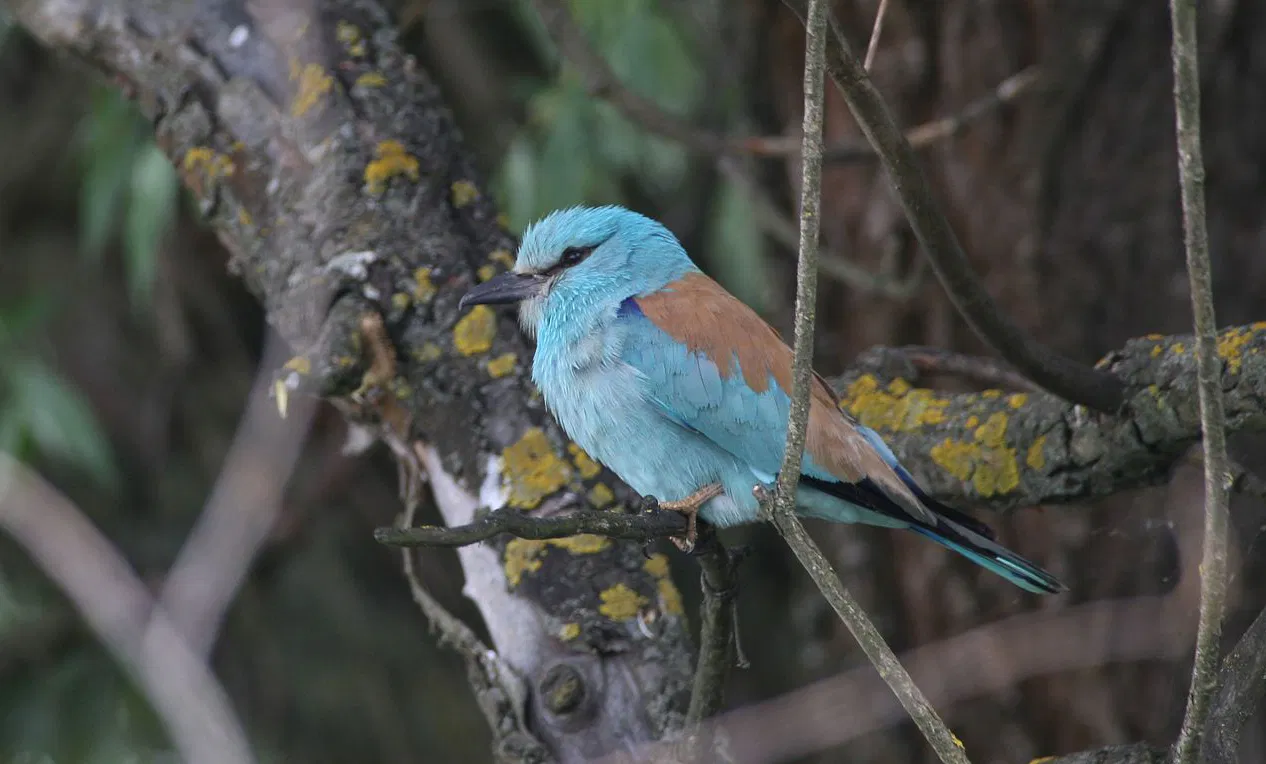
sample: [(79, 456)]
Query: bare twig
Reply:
[(1063, 376), (875, 32), (718, 637), (1242, 684), (499, 690), (784, 501), (1213, 568), (116, 605), (240, 512), (914, 362), (638, 527)]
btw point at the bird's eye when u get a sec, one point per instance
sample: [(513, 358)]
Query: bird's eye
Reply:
[(573, 255)]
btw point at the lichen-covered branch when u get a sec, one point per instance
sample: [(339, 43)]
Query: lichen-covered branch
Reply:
[(1009, 449), (326, 162)]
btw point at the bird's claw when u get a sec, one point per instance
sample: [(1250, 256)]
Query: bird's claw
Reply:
[(689, 507)]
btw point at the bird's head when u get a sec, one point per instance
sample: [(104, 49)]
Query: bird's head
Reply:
[(580, 263)]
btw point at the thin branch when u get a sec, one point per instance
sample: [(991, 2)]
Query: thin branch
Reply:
[(878, 29), (718, 637), (116, 605), (1209, 374), (1060, 375), (638, 527), (240, 512), (783, 511), (914, 362), (499, 691), (1242, 684)]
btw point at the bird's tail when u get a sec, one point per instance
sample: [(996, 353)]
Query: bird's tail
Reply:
[(990, 555)]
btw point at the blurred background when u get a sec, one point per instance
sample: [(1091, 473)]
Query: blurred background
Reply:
[(128, 355)]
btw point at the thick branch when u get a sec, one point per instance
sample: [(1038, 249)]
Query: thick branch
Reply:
[(1242, 685), (1054, 372), (1217, 472), (327, 164), (1011, 450)]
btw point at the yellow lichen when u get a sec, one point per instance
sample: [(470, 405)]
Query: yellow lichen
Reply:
[(522, 556), (1179, 348), (600, 496), (1156, 350), (475, 331), (502, 256), (973, 420), (428, 352), (899, 408), (350, 35), (656, 565), (313, 84), (371, 80), (486, 272), (1036, 458), (669, 597), (584, 543), (423, 289), (400, 300), (585, 465), (390, 160), (207, 162), (1154, 337), (1231, 347), (300, 364), (501, 365), (1258, 326), (1018, 400), (620, 603), (993, 432), (1043, 760), (957, 742), (533, 470), (991, 394), (987, 461), (464, 192), (569, 632), (243, 217)]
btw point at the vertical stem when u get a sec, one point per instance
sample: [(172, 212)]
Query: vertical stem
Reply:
[(783, 513), (1212, 418)]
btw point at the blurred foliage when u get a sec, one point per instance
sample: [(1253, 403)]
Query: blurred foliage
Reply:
[(575, 149), (41, 414), (129, 189)]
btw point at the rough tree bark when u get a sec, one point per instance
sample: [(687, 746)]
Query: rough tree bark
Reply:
[(327, 164)]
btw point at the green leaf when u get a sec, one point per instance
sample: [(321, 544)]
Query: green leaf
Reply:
[(108, 145), (736, 247), (42, 407), (19, 318), (151, 209)]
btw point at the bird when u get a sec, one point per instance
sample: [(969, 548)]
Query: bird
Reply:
[(683, 391)]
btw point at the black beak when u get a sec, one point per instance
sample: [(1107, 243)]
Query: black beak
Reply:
[(508, 288)]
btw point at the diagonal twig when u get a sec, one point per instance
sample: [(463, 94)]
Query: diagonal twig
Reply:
[(1061, 375), (783, 509), (116, 605), (1242, 684), (1217, 473), (873, 47)]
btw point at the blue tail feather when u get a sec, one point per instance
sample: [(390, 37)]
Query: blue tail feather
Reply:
[(992, 557)]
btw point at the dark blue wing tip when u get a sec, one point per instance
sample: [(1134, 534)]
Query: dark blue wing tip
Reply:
[(629, 308)]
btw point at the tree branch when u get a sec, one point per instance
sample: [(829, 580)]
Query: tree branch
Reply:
[(1217, 472), (116, 605), (1242, 684), (640, 527), (325, 161), (1062, 376), (783, 511)]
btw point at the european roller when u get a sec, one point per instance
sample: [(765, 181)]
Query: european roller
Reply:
[(659, 373)]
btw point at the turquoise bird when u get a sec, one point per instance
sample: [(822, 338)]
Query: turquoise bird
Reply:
[(679, 388)]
